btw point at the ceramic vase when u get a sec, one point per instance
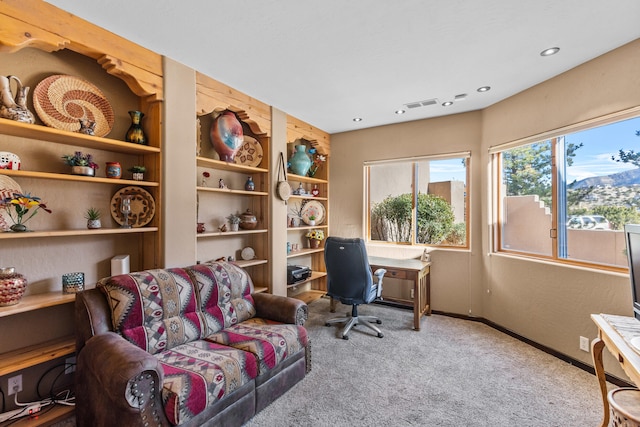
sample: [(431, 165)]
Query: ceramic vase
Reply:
[(249, 185), (248, 220), (300, 161), (12, 286), (114, 170), (135, 133), (226, 136)]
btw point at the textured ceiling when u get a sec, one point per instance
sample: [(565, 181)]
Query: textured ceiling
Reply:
[(328, 61)]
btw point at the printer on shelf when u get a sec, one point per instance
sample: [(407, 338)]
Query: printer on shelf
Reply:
[(297, 273)]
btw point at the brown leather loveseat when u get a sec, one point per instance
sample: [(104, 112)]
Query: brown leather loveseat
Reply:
[(187, 346)]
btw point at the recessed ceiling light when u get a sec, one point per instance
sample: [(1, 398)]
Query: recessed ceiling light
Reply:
[(484, 89), (400, 111), (446, 104), (550, 51), (357, 119)]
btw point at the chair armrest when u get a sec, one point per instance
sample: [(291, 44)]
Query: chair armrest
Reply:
[(281, 309), (379, 274), (113, 361)]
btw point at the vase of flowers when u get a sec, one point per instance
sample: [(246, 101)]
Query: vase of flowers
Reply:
[(81, 164), (137, 172), (315, 237), (93, 218), (317, 161), (21, 208)]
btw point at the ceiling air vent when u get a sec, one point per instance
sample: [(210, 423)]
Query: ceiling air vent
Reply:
[(425, 103)]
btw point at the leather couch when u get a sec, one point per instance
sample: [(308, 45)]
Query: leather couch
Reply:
[(187, 346)]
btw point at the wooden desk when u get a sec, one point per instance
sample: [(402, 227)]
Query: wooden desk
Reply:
[(615, 332), (409, 269)]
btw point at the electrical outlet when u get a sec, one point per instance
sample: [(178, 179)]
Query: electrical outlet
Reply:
[(584, 344), (70, 365), (15, 384)]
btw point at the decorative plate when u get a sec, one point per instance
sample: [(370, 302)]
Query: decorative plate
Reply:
[(315, 208), (143, 207), (7, 188), (248, 253), (61, 101), (250, 153)]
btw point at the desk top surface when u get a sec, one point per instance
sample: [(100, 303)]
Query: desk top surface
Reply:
[(407, 264)]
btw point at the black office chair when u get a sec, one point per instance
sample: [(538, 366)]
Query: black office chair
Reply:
[(349, 280)]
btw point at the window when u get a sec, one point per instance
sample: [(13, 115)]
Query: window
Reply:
[(569, 196), (418, 201)]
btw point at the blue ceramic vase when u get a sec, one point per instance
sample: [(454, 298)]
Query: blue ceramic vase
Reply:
[(300, 161)]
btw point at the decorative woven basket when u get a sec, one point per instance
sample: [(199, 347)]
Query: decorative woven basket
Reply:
[(12, 286), (61, 101)]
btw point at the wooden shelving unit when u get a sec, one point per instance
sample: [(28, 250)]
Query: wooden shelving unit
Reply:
[(131, 78), (298, 133)]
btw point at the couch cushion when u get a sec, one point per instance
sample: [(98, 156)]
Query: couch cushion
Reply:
[(224, 294), (271, 342), (200, 373), (154, 309)]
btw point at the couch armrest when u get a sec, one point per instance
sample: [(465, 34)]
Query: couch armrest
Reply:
[(92, 316), (118, 382), (281, 309)]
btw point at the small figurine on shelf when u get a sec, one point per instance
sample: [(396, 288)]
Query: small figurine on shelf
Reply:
[(221, 184), (315, 192), (300, 191), (205, 175), (87, 127), (249, 185)]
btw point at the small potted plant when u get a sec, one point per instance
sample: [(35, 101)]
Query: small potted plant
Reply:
[(18, 206), (234, 221), (315, 237), (137, 172), (93, 218), (81, 164), (312, 220)]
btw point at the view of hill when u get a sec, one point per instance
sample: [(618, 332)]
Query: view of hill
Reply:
[(620, 179)]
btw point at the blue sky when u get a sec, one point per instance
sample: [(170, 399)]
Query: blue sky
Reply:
[(594, 158)]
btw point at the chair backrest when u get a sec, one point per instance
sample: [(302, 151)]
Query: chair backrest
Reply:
[(349, 278)]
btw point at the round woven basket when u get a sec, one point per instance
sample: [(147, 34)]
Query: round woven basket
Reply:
[(61, 101), (12, 286)]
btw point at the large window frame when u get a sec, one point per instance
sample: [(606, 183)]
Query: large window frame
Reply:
[(558, 231), (413, 163)]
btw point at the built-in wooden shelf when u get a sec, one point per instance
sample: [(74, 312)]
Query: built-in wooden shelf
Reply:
[(76, 178), (47, 417), (309, 296), (308, 227), (260, 289), (303, 252), (78, 232), (219, 164), (26, 357), (314, 276), (229, 191), (300, 178), (34, 302), (244, 263), (230, 233), (307, 197), (45, 133)]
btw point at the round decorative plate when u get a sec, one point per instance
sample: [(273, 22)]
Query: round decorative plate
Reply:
[(61, 101), (248, 253), (250, 153), (315, 208), (143, 207), (7, 188)]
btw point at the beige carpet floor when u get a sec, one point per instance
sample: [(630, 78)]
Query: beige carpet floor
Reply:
[(453, 372)]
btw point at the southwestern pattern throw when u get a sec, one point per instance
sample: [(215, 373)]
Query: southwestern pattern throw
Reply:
[(154, 309)]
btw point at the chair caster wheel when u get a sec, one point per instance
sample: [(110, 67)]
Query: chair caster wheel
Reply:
[(379, 322), (327, 324), (380, 335), (345, 337)]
